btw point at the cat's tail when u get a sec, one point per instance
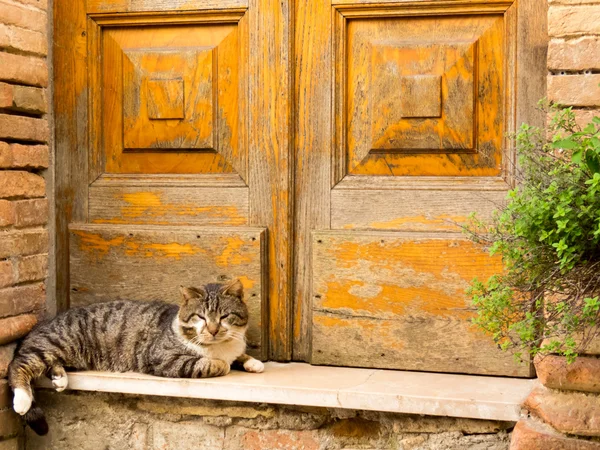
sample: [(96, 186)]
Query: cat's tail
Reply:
[(21, 371), (36, 420)]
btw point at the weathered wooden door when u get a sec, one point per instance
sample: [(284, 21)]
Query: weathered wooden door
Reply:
[(322, 151), (403, 110), (173, 149)]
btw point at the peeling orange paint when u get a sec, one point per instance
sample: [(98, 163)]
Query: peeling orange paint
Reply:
[(231, 255), (96, 243), (150, 207), (441, 222)]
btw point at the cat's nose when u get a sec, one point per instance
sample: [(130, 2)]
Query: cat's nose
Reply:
[(213, 329)]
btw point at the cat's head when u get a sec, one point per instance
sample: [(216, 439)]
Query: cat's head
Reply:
[(213, 313)]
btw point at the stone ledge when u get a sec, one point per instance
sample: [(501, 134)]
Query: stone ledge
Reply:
[(467, 396)]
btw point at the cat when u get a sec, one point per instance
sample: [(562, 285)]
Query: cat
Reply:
[(201, 337)]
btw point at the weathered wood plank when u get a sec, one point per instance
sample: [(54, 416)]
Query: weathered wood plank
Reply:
[(406, 210), (169, 205), (70, 128), (270, 155), (396, 300), (149, 263), (123, 6), (312, 148)]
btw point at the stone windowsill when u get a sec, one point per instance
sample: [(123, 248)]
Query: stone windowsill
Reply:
[(434, 394)]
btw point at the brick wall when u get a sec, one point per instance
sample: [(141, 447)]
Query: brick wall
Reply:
[(24, 160), (564, 412)]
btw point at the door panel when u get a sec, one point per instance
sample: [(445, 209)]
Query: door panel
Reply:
[(424, 95), (149, 263), (396, 300)]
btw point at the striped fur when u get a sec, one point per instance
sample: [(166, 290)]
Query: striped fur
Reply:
[(201, 337)]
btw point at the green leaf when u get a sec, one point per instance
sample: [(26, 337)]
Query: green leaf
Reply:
[(576, 156), (596, 120), (568, 144), (593, 161)]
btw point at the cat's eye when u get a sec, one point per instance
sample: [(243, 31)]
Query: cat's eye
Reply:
[(195, 319), (226, 316)]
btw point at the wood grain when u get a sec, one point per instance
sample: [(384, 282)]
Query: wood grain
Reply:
[(313, 76), (131, 6), (410, 210), (271, 162), (70, 104), (396, 300), (206, 59), (150, 263), (169, 205), (383, 139)]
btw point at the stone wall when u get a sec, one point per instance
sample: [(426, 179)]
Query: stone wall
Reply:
[(24, 135), (564, 412), (92, 421)]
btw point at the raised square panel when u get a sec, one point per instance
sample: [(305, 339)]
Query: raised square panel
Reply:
[(165, 99), (423, 96), (172, 98), (190, 99)]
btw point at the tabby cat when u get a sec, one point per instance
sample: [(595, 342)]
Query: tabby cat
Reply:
[(201, 337)]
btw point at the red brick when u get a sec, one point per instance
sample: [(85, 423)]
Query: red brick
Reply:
[(20, 184), (6, 92), (30, 213), (568, 412), (32, 268), (532, 435), (7, 213), (7, 277), (23, 16), (23, 243), (29, 70), (280, 439), (30, 99), (23, 98), (21, 299), (18, 156), (24, 128), (10, 424), (5, 394), (6, 356), (574, 90), (581, 375), (22, 40), (13, 328)]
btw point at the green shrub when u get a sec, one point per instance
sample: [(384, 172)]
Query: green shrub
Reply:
[(548, 234)]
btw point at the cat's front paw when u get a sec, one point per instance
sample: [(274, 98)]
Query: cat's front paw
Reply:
[(254, 365), (21, 401), (216, 368), (60, 382)]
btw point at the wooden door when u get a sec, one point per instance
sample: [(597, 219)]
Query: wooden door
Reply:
[(322, 151), (403, 110), (172, 136)]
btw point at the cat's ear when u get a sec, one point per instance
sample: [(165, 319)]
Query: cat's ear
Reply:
[(235, 289), (189, 293)]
